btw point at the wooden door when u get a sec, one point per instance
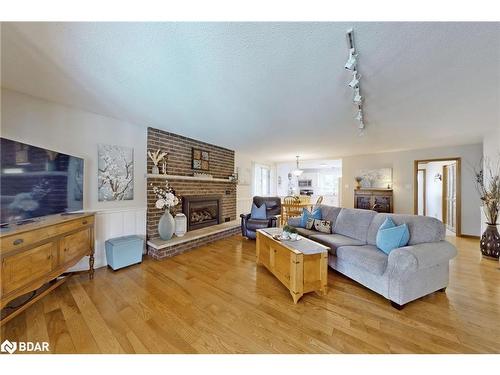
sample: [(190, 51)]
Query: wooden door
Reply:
[(74, 245), (450, 196), (23, 268)]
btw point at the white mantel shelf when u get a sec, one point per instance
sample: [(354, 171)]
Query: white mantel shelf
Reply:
[(189, 178)]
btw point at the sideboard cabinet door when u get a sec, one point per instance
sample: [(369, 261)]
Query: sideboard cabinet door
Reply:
[(26, 267), (74, 246)]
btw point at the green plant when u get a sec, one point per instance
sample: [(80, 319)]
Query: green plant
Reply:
[(289, 229)]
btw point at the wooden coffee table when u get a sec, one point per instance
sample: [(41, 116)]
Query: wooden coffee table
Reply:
[(301, 266)]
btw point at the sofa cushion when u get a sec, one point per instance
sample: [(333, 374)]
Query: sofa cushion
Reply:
[(422, 228), (366, 257), (323, 226), (329, 213), (254, 224), (333, 241), (258, 212), (306, 215), (305, 232), (390, 236), (354, 223)]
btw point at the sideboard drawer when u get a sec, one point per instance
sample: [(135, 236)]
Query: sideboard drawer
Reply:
[(74, 245), (27, 238), (75, 224), (22, 268)]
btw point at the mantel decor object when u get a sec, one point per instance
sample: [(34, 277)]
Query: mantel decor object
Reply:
[(156, 157), (487, 180), (166, 200)]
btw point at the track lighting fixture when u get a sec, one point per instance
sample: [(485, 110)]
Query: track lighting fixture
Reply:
[(351, 62), (355, 84), (355, 80)]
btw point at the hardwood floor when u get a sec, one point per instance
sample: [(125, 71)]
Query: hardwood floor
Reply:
[(214, 299)]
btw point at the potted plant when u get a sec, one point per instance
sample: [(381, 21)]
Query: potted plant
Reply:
[(487, 181), (358, 180), (289, 232), (166, 200)]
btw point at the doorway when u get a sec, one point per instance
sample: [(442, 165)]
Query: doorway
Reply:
[(437, 191)]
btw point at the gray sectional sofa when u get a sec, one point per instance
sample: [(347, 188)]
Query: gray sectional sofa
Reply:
[(407, 273)]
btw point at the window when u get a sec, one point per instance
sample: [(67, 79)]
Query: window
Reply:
[(262, 180)]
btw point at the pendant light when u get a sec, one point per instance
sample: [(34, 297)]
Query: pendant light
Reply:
[(297, 171)]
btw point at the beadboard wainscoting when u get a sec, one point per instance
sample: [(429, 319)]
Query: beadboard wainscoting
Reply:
[(113, 223)]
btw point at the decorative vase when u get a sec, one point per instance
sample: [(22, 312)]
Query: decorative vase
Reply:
[(155, 170), (180, 225), (490, 242), (166, 226)]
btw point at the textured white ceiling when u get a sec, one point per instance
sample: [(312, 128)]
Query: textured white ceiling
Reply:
[(274, 90)]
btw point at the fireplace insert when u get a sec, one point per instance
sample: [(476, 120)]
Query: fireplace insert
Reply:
[(202, 210)]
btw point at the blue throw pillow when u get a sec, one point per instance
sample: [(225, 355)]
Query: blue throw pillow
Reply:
[(258, 212), (306, 215), (390, 236)]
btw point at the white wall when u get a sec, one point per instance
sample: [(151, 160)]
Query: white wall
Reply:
[(402, 165), (72, 131)]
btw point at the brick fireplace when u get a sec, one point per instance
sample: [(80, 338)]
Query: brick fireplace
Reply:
[(193, 192)]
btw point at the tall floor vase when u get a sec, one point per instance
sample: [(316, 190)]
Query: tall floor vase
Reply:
[(166, 226), (490, 242)]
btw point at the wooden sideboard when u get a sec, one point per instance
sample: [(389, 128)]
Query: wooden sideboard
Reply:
[(380, 200), (33, 255)]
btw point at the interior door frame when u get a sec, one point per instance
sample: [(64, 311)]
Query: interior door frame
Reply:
[(458, 179), (424, 179)]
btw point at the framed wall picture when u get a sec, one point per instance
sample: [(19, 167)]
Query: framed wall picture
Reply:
[(201, 159)]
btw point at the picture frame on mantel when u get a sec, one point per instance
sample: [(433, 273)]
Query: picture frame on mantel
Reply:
[(201, 160)]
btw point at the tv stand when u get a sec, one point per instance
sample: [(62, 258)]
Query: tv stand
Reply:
[(35, 255)]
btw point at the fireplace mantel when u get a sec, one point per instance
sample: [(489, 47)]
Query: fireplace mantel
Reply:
[(189, 178)]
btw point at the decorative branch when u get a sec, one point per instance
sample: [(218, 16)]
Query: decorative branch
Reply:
[(157, 156)]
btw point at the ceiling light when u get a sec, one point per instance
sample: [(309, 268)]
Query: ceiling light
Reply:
[(351, 62), (297, 171), (358, 99), (355, 80)]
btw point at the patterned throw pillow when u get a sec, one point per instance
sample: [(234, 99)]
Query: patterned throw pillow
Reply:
[(323, 226)]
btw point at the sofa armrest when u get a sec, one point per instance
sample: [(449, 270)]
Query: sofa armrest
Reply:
[(293, 221), (424, 255), (245, 216)]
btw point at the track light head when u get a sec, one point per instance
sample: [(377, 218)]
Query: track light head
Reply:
[(359, 116), (355, 80), (358, 99), (351, 62)]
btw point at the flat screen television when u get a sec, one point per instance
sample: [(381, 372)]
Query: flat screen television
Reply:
[(36, 182)]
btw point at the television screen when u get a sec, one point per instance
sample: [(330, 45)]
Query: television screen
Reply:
[(36, 182)]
